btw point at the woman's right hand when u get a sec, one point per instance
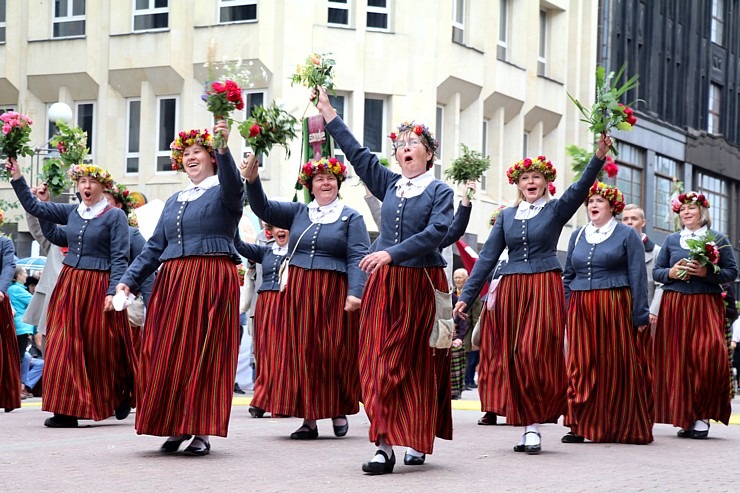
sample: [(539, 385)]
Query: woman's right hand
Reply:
[(249, 168), (15, 170), (41, 192), (324, 105), (678, 271), (459, 310), (122, 287)]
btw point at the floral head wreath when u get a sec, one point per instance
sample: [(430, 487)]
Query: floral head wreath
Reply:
[(122, 195), (186, 139), (610, 193), (77, 171), (495, 214), (323, 165), (689, 198), (540, 165), (419, 129)]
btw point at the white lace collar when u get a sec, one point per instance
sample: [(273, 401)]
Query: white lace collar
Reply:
[(525, 210), (325, 214), (596, 235), (413, 187), (193, 191), (86, 212), (279, 250), (685, 234)]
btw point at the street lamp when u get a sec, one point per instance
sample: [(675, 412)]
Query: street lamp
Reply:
[(60, 112)]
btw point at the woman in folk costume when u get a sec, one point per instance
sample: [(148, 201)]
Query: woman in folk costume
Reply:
[(530, 305), (10, 367), (191, 336), (404, 386), (84, 335), (319, 376), (691, 364), (610, 394)]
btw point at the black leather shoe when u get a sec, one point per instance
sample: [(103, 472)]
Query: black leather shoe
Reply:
[(412, 460), (256, 412), (519, 448), (171, 446), (571, 437), (488, 419), (305, 433), (238, 390), (684, 433), (341, 430), (61, 421), (699, 435), (123, 410), (533, 449), (198, 451), (375, 468)]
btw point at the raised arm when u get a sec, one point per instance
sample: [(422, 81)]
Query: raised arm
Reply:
[(49, 211), (577, 193), (254, 253), (232, 190), (54, 234), (459, 224)]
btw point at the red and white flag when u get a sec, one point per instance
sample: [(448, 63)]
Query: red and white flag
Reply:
[(469, 257)]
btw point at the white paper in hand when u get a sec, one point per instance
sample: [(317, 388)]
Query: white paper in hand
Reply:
[(121, 301)]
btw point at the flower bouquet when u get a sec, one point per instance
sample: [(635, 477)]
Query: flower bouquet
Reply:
[(468, 167), (705, 251), (71, 142), (581, 158), (223, 98), (268, 127), (607, 112), (241, 272), (316, 72), (15, 138)]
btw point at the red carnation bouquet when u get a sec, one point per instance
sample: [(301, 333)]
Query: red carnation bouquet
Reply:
[(705, 251), (223, 98), (15, 137), (268, 127)]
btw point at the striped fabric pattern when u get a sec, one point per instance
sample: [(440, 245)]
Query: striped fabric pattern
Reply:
[(405, 384), (531, 314), (269, 338), (88, 370), (10, 367), (691, 362), (319, 377), (610, 388), (190, 349), (457, 370), (491, 384)]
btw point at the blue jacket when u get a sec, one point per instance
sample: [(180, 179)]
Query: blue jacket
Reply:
[(7, 269), (412, 230), (100, 243), (137, 242), (20, 298), (671, 252), (338, 246), (205, 226), (264, 255), (619, 261), (532, 242)]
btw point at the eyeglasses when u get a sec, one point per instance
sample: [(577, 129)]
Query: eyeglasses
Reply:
[(413, 143)]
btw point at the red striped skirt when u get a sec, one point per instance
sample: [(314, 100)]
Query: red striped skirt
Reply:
[(610, 393), (190, 349), (89, 363), (319, 377), (530, 312), (491, 385), (405, 383), (691, 363), (269, 338), (10, 367)]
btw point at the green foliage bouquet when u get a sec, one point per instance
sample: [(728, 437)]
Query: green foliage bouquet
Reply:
[(268, 127), (470, 166)]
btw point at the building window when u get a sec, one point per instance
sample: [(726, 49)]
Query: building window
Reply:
[(484, 152), (542, 49), (715, 97), (458, 21), (338, 13), (86, 121), (69, 18), (631, 162), (237, 11), (166, 122), (3, 5), (373, 124), (338, 102), (718, 22), (503, 30), (666, 171), (525, 145), (252, 100), (378, 13), (151, 15), (439, 119), (717, 192), (133, 129)]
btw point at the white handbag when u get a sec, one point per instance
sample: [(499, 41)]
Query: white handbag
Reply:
[(285, 266), (443, 329)]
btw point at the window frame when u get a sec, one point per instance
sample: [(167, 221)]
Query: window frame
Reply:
[(485, 126), (458, 25), (657, 205), (129, 154), (90, 139), (68, 18), (149, 12), (237, 3), (382, 11), (342, 113), (543, 44), (165, 152), (504, 23), (719, 207), (249, 94), (336, 5), (383, 126), (717, 26), (714, 110), (639, 183), (4, 23), (439, 124)]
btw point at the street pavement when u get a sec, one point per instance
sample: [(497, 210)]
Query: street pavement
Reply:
[(258, 456)]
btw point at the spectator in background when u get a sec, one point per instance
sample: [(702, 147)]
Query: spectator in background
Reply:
[(19, 299), (457, 363), (31, 371)]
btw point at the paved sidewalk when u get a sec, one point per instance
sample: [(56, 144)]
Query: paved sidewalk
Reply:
[(258, 456)]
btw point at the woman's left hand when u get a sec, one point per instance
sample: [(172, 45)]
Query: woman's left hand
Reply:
[(641, 328), (470, 185), (695, 269), (223, 128), (108, 306), (605, 143), (352, 303), (457, 343), (375, 260)]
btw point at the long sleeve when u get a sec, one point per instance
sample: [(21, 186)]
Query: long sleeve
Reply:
[(662, 264), (54, 234), (254, 253), (569, 273), (487, 260), (8, 267), (232, 190), (34, 227), (148, 260), (576, 194), (49, 211), (637, 273), (358, 244), (280, 214), (459, 225), (137, 245), (119, 248)]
